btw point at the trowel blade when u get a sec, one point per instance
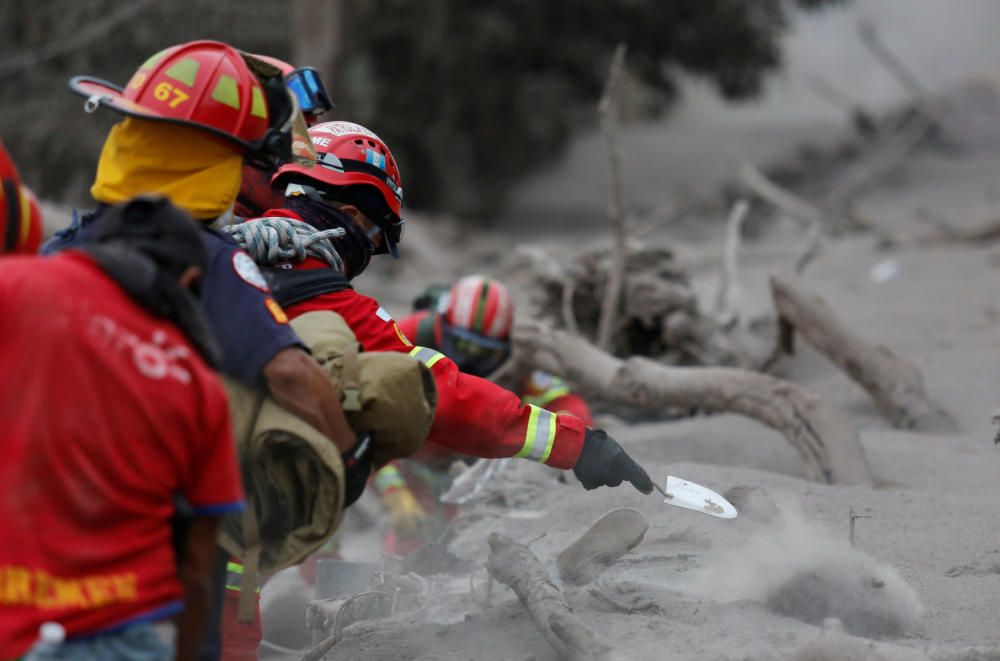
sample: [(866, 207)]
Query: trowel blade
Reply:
[(681, 493)]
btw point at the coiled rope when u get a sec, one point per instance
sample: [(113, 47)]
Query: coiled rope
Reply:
[(272, 241)]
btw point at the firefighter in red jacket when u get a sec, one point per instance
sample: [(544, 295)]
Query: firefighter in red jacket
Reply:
[(339, 214), (471, 324)]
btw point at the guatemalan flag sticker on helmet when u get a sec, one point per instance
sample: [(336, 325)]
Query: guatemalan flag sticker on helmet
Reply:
[(375, 158)]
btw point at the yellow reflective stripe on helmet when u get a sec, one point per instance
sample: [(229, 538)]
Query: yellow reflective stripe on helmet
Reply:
[(227, 92), (389, 477), (428, 357), (540, 436), (547, 397)]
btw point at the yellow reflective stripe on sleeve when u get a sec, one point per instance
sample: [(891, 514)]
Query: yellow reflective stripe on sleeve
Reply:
[(234, 577), (399, 334), (428, 357), (540, 436)]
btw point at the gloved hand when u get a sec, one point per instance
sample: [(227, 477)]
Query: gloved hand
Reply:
[(408, 518), (605, 463), (357, 468)]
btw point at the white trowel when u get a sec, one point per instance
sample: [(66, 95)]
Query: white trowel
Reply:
[(695, 497)]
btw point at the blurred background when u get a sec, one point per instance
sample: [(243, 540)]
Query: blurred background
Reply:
[(490, 106), (477, 99)]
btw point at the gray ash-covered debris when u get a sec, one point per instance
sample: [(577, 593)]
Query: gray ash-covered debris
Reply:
[(659, 315)]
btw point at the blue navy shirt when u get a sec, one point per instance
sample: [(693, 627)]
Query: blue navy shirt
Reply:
[(249, 325)]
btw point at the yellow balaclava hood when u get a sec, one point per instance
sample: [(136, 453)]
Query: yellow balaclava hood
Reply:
[(197, 173)]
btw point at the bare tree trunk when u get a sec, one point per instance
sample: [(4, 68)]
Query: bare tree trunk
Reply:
[(516, 566), (616, 210), (827, 442), (894, 384), (317, 37)]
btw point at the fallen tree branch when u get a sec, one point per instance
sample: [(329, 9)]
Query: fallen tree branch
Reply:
[(616, 211), (812, 246), (516, 566), (948, 233), (727, 298), (894, 153), (895, 385), (827, 442), (919, 95), (804, 213)]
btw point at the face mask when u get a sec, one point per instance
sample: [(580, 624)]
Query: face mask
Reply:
[(354, 247)]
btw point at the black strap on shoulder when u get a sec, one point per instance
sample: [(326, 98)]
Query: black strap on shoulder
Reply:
[(289, 286), (425, 332)]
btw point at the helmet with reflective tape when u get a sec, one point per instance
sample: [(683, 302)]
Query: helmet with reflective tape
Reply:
[(482, 305), (210, 86), (20, 215), (355, 167)]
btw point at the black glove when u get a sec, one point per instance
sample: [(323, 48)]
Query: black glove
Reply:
[(604, 463), (357, 468)]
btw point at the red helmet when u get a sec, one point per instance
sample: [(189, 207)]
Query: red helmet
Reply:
[(352, 158), (211, 86), (481, 305), (20, 216)]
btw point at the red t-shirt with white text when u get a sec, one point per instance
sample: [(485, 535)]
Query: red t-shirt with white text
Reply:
[(105, 414)]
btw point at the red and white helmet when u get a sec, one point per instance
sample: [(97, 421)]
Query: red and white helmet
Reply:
[(481, 305), (349, 155)]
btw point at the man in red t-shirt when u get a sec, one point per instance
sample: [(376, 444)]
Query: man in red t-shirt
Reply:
[(109, 410)]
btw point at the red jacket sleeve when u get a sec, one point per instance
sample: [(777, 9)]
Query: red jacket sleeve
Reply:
[(574, 405), (474, 416)]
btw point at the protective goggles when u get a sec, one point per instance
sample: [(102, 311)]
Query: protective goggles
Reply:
[(308, 88), (474, 354), (287, 139)]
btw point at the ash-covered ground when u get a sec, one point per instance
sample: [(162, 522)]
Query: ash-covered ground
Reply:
[(923, 577)]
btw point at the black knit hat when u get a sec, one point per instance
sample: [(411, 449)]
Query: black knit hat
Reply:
[(153, 226)]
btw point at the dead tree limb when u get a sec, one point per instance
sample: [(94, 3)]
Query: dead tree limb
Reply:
[(727, 299), (616, 211), (896, 68), (872, 171), (516, 566), (802, 212), (947, 233), (798, 209), (895, 385), (827, 442), (811, 248)]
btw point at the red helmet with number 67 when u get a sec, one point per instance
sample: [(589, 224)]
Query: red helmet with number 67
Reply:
[(214, 87), (350, 157)]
